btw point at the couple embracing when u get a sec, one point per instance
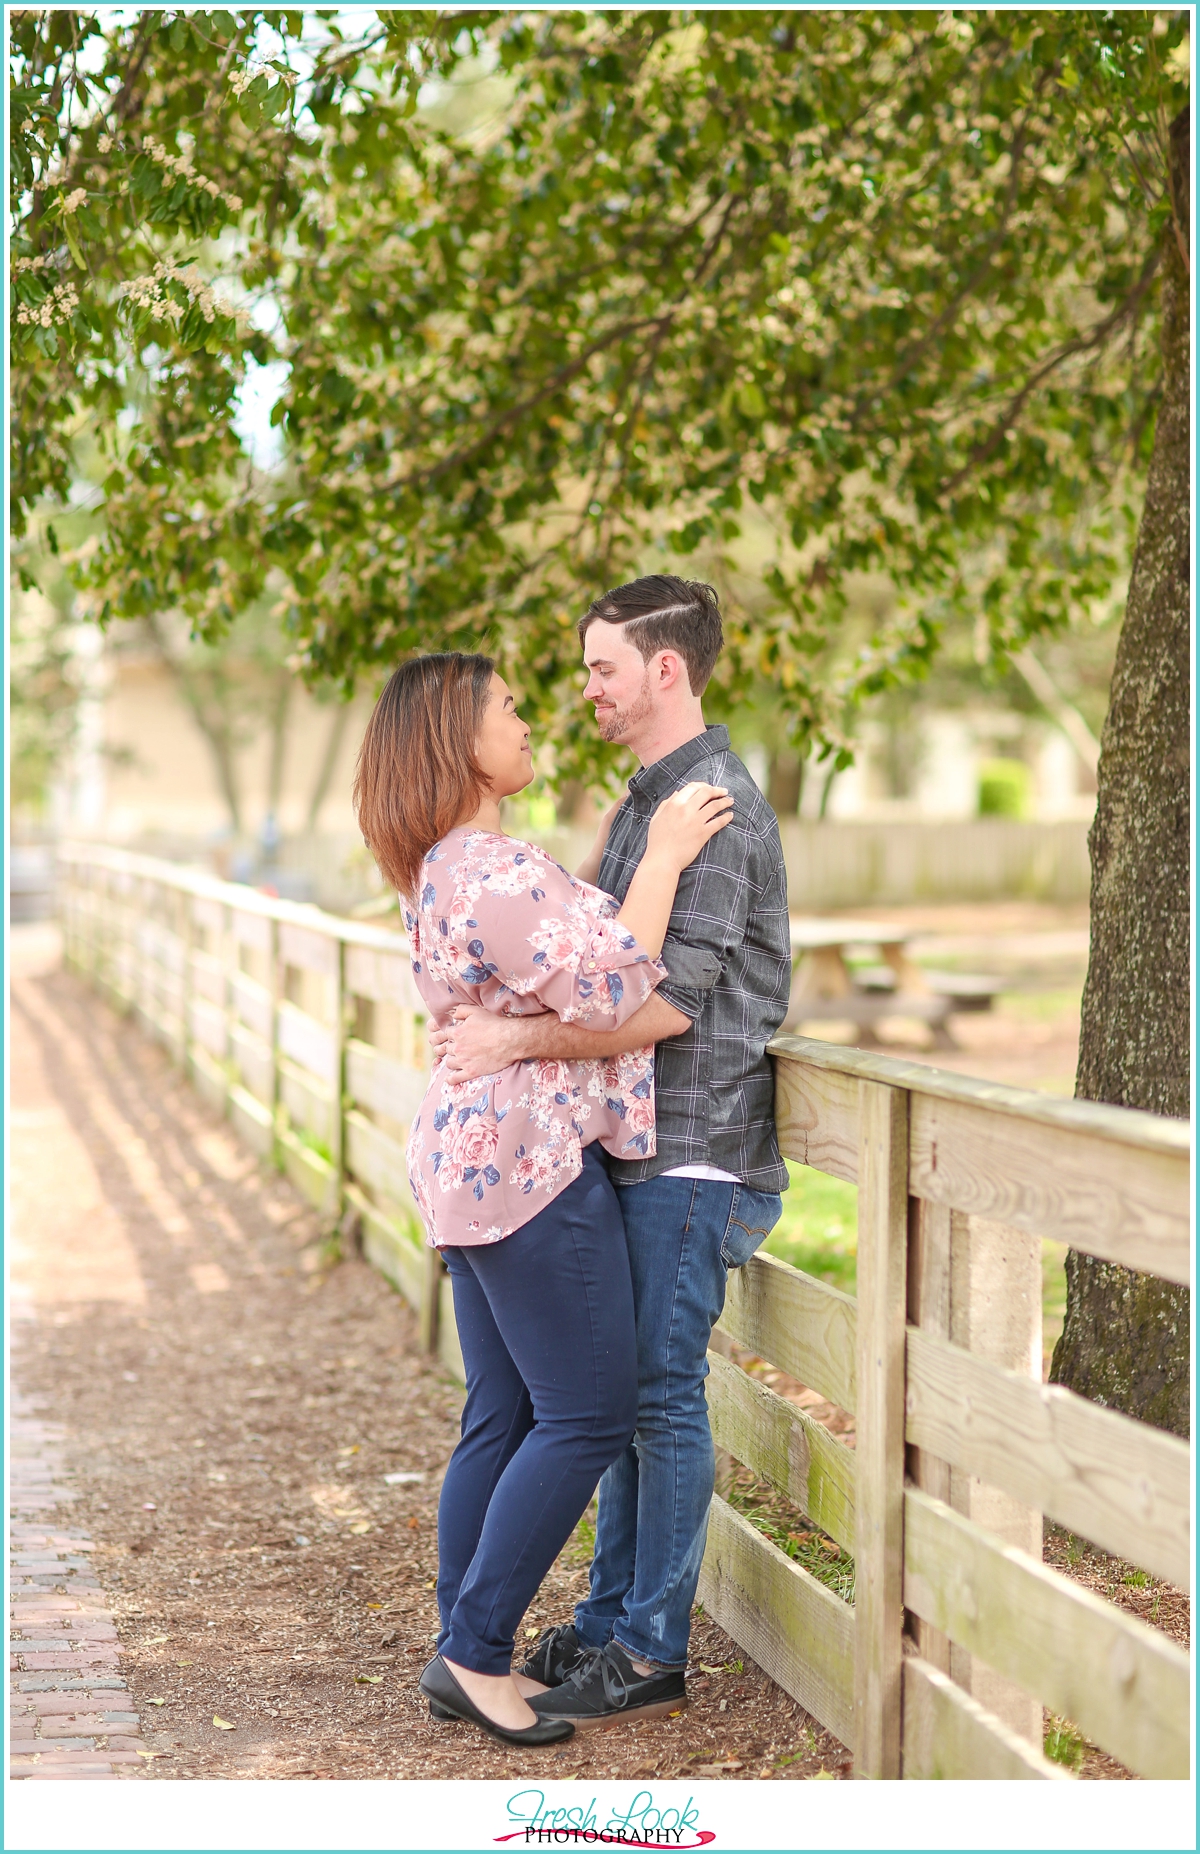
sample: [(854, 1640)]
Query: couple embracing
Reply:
[(596, 1148)]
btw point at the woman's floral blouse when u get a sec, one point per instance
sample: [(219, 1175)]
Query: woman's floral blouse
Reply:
[(500, 924)]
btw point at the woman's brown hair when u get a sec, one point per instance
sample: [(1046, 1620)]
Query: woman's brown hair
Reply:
[(417, 775)]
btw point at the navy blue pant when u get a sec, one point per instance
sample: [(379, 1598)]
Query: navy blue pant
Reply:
[(545, 1321)]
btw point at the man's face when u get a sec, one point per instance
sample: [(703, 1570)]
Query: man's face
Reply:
[(619, 681)]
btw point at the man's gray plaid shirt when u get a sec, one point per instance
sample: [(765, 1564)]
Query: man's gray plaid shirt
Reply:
[(728, 959)]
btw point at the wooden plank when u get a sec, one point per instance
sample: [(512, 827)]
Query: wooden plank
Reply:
[(311, 1044), (1126, 1686), (252, 1003), (382, 1083), (209, 1026), (816, 1112), (386, 977), (312, 952), (928, 1293), (159, 944), (254, 1122), (312, 1175), (393, 1248), (336, 1128), (795, 1322), (949, 1736), (1122, 1484), (208, 978), (449, 1350), (253, 1060), (996, 1315), (208, 913), (377, 1160), (1125, 1126), (1075, 1186), (798, 1632), (251, 930), (209, 1077), (309, 1103), (784, 1446), (879, 1494)]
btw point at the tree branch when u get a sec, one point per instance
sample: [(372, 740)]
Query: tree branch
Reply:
[(1096, 338)]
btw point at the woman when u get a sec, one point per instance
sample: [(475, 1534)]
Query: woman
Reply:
[(506, 1170)]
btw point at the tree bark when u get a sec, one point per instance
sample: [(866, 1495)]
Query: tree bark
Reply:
[(1125, 1340)]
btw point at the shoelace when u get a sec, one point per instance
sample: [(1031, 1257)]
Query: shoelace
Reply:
[(616, 1687)]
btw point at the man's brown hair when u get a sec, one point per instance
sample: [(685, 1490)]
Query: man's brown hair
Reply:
[(665, 613), (417, 775)]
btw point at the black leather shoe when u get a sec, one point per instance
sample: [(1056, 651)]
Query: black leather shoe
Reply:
[(605, 1688), (438, 1685), (553, 1655), (440, 1712)]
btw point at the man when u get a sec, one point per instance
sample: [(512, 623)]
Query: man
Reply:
[(710, 1196)]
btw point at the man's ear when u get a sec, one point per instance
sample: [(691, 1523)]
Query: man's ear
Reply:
[(669, 669)]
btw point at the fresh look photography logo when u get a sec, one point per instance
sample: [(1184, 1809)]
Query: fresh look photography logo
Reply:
[(640, 1823)]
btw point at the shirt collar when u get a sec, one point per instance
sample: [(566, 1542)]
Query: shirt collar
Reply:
[(662, 776)]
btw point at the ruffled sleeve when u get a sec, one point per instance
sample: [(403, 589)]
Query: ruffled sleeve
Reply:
[(557, 940)]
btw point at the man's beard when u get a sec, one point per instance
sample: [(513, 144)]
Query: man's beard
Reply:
[(623, 718)]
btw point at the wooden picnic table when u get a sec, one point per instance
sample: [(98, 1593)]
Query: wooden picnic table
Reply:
[(826, 986)]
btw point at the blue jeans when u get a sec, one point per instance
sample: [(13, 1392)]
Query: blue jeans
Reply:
[(545, 1321), (684, 1235)]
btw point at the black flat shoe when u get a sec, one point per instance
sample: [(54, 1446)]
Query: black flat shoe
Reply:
[(440, 1712), (440, 1687)]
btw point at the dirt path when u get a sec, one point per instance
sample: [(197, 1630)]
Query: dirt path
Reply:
[(231, 1407)]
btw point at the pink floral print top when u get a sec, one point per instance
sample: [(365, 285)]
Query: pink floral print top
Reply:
[(499, 923)]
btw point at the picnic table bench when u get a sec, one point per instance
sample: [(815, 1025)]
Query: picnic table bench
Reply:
[(827, 987)]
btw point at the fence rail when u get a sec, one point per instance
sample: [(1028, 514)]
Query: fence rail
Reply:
[(308, 1032)]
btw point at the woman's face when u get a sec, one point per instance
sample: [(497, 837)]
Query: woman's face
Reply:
[(502, 746)]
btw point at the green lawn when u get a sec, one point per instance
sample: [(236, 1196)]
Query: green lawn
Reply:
[(818, 1232)]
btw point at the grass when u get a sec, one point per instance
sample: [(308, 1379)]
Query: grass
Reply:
[(795, 1536), (1062, 1744), (818, 1232)]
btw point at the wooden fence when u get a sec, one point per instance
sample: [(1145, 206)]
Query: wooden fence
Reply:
[(307, 1030)]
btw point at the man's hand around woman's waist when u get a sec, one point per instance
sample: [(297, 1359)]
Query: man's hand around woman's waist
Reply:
[(477, 1042)]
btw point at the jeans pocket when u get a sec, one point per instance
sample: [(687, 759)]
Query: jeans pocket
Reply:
[(752, 1217)]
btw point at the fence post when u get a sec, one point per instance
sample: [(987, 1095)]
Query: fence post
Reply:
[(996, 1313), (929, 1277), (187, 937), (276, 983), (879, 1451), (337, 1124)]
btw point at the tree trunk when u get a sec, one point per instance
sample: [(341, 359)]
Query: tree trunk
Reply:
[(1125, 1341), (333, 746), (214, 724), (785, 783)]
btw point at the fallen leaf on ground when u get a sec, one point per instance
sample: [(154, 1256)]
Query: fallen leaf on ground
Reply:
[(413, 1523), (367, 1680), (154, 1640), (705, 1669), (161, 1702), (185, 1664), (360, 1526), (223, 1725), (401, 1480)]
